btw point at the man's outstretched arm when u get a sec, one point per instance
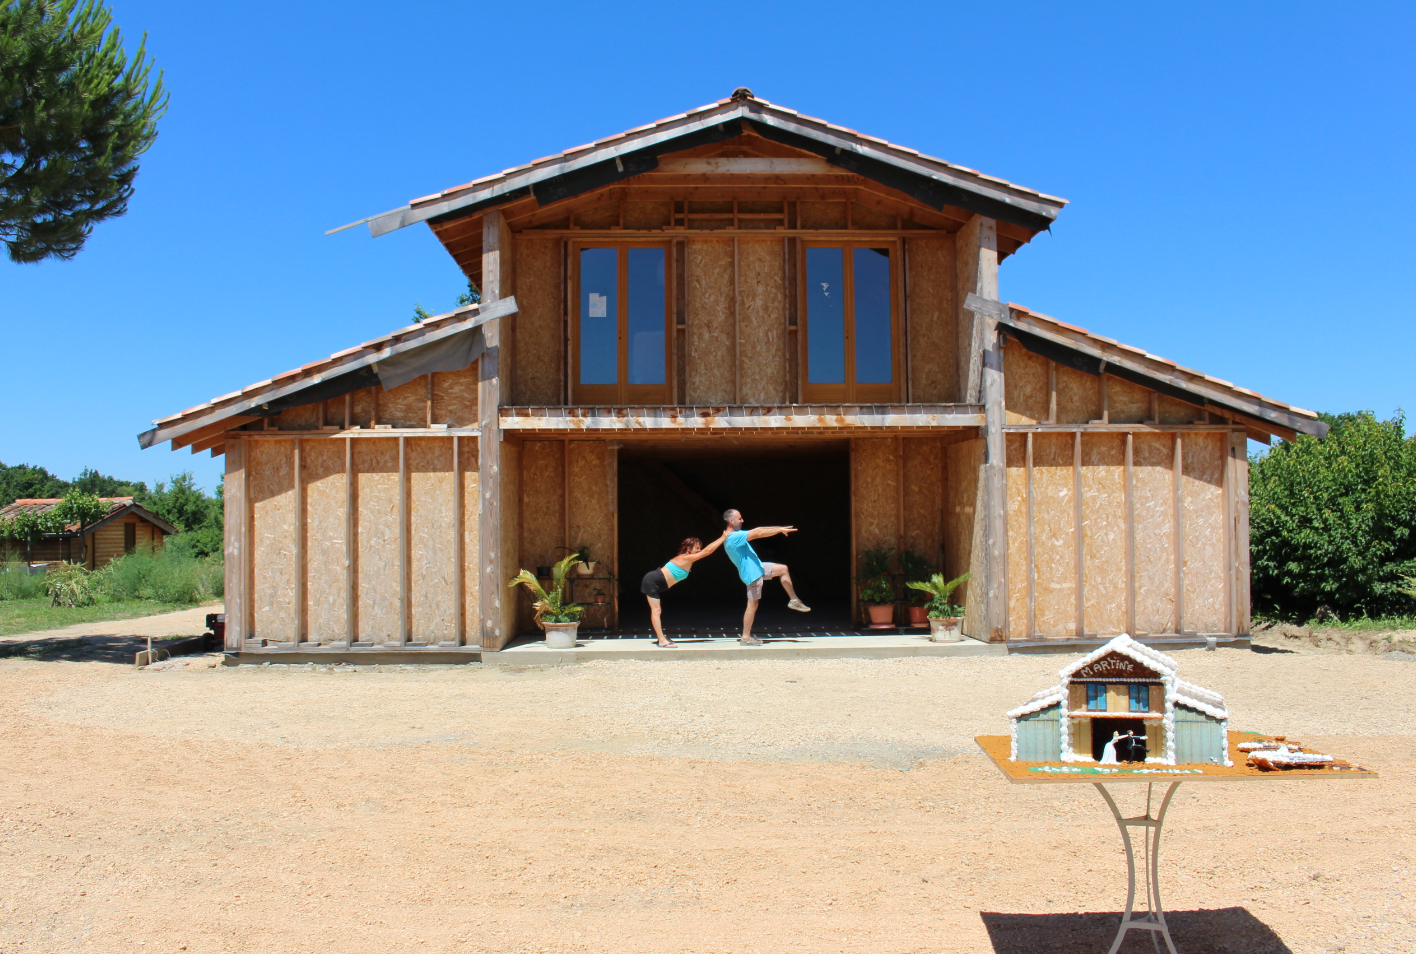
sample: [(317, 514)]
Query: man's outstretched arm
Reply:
[(757, 533)]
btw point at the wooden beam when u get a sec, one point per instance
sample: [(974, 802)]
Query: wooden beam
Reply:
[(737, 339), (492, 393), (403, 541), (1078, 518), (1032, 549), (1178, 479), (351, 607), (1130, 535), (301, 596), (996, 487), (233, 545), (1229, 560), (211, 430), (1241, 532), (1051, 391), (976, 266), (459, 575)]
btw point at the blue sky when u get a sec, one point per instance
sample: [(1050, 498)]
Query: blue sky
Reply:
[(1239, 178)]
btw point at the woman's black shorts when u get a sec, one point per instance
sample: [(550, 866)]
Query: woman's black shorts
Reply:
[(654, 585)]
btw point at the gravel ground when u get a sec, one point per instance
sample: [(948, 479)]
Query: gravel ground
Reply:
[(665, 806)]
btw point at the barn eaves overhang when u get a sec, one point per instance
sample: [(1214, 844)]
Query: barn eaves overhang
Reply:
[(932, 182), (1093, 354)]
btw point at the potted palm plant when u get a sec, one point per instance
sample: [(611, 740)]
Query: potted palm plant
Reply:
[(945, 618), (877, 587), (581, 553), (915, 567), (555, 614)]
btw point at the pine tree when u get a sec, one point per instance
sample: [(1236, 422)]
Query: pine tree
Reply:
[(75, 115)]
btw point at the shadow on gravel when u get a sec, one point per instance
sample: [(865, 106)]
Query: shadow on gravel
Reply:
[(109, 649), (1255, 648), (1219, 931)]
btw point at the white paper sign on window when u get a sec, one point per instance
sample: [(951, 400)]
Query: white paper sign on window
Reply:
[(597, 305)]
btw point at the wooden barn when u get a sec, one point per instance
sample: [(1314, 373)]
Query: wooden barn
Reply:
[(123, 529), (738, 306)]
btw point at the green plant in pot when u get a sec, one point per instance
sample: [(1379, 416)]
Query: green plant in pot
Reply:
[(945, 617), (581, 553), (915, 567), (555, 614), (877, 587)]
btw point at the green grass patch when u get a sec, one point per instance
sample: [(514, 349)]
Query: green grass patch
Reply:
[(1364, 624), (34, 615)]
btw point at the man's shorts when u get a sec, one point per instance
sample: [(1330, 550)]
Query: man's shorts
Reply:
[(754, 589)]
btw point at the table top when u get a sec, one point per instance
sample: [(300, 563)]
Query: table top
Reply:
[(997, 747)]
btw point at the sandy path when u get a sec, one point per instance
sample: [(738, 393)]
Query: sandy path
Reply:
[(833, 805)]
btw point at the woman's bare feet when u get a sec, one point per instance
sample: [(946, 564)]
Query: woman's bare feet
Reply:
[(667, 644)]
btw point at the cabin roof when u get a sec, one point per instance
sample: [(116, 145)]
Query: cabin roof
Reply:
[(117, 507), (930, 180)]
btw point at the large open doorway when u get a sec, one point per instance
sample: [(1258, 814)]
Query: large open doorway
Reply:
[(672, 490)]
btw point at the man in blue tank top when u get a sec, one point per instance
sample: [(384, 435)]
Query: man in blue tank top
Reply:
[(753, 572)]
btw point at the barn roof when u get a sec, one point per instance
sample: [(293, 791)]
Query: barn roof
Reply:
[(117, 507), (932, 181)]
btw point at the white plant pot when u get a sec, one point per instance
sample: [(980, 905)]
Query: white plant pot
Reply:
[(560, 635), (945, 629), (585, 569)]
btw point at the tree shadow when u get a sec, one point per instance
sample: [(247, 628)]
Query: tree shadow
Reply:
[(1256, 648), (106, 649), (1217, 931)]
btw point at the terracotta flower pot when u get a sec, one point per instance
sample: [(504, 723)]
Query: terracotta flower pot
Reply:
[(919, 616), (601, 600), (560, 635), (881, 615), (945, 629)]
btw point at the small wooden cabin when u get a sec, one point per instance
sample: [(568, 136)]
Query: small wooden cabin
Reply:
[(1122, 687), (735, 306), (126, 527)]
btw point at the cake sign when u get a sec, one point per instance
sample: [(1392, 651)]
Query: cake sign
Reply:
[(1114, 666)]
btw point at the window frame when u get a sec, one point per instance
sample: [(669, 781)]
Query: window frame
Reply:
[(851, 392), (1139, 690), (622, 393), (1092, 690)]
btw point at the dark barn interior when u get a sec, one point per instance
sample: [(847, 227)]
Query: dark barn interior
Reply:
[(672, 490)]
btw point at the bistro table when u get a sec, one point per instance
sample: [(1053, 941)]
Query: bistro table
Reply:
[(998, 747)]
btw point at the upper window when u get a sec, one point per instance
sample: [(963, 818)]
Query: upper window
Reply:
[(1140, 698), (621, 334), (1096, 696), (850, 325)]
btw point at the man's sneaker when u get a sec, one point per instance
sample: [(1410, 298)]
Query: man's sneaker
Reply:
[(799, 606)]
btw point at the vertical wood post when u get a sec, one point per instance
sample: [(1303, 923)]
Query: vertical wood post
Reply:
[(234, 544), (459, 575), (301, 584), (1130, 535), (1032, 548), (493, 390), (1239, 444), (1078, 518), (737, 339), (402, 541), (351, 608), (996, 484), (1179, 534), (248, 569), (976, 269)]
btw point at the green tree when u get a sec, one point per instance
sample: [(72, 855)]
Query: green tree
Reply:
[(1331, 521), (75, 115), (24, 480), (472, 296), (91, 481), (197, 517)]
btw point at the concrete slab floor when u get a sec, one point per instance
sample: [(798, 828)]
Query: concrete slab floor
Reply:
[(727, 646)]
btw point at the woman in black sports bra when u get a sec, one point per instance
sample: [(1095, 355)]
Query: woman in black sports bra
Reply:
[(658, 580)]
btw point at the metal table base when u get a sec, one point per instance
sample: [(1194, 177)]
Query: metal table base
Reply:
[(1153, 919)]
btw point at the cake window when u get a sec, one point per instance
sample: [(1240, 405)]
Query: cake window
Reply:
[(1096, 696), (1140, 698)]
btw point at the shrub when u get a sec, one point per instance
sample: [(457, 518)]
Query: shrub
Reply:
[(18, 583), (168, 576), (70, 585), (1331, 521)]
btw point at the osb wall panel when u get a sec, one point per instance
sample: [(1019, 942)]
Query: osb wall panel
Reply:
[(334, 411), (710, 321), (1054, 535), (1127, 403), (542, 511), (406, 405), (1019, 622), (1202, 502), (933, 375), (644, 215), (510, 525), (1178, 412), (376, 536), (1078, 396), (1104, 532), (821, 215), (431, 533), (962, 489), (1026, 393), (455, 396), (1152, 457), (599, 217), (762, 322), (272, 490), (471, 554), (362, 407), (538, 322), (924, 497), (591, 499), (234, 543), (875, 493), (306, 417), (864, 217), (326, 609)]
